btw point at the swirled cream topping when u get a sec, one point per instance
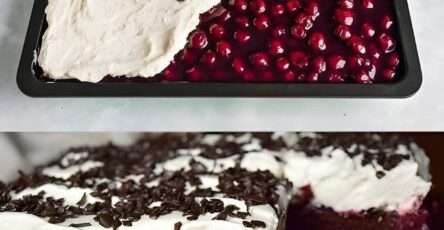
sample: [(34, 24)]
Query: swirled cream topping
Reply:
[(90, 39)]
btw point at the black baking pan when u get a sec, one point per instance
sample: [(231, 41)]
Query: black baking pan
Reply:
[(30, 84)]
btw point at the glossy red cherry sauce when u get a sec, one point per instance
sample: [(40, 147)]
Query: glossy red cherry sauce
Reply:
[(328, 41)]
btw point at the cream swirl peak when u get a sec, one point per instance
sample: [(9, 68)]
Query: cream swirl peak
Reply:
[(90, 39)]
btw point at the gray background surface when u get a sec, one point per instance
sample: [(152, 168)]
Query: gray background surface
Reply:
[(422, 112)]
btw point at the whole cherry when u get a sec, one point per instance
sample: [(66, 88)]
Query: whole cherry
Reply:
[(282, 64), (317, 41), (239, 5), (217, 31), (368, 4), (276, 47), (198, 40), (343, 32), (362, 77), (258, 6), (388, 74), (312, 9), (299, 59), (368, 30), (289, 76), (318, 65), (393, 60), (238, 65), (259, 60), (344, 17), (336, 62), (261, 22), (357, 45), (298, 32), (209, 58), (386, 22), (194, 74), (242, 36), (277, 10), (386, 43), (224, 49), (312, 77), (347, 4), (293, 5)]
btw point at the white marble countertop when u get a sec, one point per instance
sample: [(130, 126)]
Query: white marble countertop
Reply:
[(422, 112)]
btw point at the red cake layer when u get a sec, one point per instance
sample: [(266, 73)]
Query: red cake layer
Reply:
[(326, 219)]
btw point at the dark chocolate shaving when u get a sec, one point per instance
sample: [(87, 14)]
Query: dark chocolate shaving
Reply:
[(80, 225), (254, 224)]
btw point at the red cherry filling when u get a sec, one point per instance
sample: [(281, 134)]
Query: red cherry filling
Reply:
[(291, 41)]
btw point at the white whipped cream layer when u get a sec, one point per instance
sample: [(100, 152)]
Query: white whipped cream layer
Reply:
[(90, 39), (21, 221), (345, 185), (71, 195), (66, 173), (252, 161)]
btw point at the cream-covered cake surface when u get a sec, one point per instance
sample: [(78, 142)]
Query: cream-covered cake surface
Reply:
[(90, 39)]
